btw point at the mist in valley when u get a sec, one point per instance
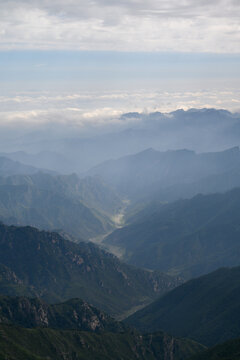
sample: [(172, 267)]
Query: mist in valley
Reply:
[(119, 180)]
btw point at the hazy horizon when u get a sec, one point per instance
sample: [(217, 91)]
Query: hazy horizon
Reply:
[(86, 64)]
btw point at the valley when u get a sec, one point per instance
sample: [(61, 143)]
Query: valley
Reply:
[(119, 180), (118, 221), (139, 254)]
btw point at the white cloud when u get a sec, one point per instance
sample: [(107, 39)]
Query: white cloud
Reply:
[(131, 25), (93, 110)]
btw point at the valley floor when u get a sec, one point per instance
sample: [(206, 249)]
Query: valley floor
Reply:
[(118, 220)]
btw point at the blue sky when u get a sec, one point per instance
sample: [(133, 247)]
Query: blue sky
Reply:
[(103, 57), (90, 70)]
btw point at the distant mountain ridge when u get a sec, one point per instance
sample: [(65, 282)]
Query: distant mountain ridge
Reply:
[(10, 167), (188, 237), (43, 159), (198, 129), (151, 171)]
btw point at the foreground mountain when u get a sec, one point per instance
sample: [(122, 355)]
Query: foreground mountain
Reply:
[(55, 269), (98, 337), (80, 207), (206, 309), (230, 350), (188, 237), (11, 285), (72, 314), (152, 172), (34, 344)]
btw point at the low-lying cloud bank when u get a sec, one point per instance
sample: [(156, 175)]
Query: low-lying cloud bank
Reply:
[(93, 111)]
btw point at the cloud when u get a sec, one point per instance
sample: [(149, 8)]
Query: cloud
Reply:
[(98, 111), (124, 25)]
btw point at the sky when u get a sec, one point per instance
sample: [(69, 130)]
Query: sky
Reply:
[(90, 61)]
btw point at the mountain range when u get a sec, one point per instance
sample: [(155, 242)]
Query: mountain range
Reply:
[(10, 167), (66, 151), (187, 237), (17, 343), (81, 207), (170, 175), (162, 191), (42, 264)]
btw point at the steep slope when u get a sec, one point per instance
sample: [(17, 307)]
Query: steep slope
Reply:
[(208, 185), (230, 350), (93, 192), (72, 314), (206, 309), (81, 207), (151, 171), (10, 284), (29, 205), (42, 344), (58, 270), (188, 237)]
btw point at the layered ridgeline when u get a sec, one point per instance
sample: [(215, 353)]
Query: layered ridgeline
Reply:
[(171, 175), (40, 344), (10, 167), (98, 337), (80, 332), (188, 237), (80, 207), (43, 264), (67, 150), (206, 309), (43, 159)]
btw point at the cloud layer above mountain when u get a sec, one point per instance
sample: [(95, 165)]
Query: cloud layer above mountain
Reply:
[(124, 25), (89, 112)]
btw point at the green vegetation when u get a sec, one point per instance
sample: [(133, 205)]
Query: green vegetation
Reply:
[(206, 309), (229, 350), (42, 344), (47, 266)]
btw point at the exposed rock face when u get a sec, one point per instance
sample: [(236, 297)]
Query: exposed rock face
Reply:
[(56, 270), (73, 314), (7, 275)]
